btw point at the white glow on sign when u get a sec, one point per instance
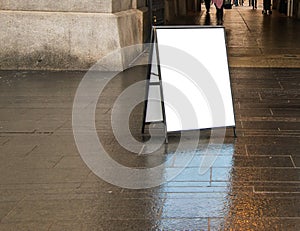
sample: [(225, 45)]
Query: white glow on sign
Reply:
[(203, 85)]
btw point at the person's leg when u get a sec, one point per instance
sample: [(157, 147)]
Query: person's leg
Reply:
[(217, 14), (221, 14), (207, 5)]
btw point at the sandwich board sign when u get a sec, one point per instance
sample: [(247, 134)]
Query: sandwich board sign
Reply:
[(188, 84)]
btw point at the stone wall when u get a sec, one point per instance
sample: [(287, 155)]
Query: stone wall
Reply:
[(68, 34), (90, 6), (296, 12)]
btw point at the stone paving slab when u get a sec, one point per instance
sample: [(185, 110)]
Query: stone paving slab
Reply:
[(253, 184)]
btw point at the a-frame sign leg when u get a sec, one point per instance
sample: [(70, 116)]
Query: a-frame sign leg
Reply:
[(161, 91), (148, 79), (234, 132), (154, 45)]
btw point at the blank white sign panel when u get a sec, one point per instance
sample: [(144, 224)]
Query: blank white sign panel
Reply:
[(195, 78)]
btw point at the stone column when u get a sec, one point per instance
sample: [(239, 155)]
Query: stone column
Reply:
[(182, 7), (68, 34), (171, 10)]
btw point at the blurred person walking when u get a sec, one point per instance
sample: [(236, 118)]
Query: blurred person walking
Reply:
[(219, 4), (207, 5), (254, 4)]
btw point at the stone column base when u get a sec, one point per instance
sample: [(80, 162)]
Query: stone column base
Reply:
[(35, 40)]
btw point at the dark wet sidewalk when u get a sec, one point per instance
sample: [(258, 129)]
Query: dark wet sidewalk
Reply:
[(254, 183)]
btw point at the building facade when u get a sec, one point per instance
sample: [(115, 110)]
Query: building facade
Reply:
[(68, 34), (75, 34)]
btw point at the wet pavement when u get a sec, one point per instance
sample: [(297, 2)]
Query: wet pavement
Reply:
[(254, 184)]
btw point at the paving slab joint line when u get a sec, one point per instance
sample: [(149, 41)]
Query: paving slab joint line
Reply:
[(28, 153), (10, 211), (244, 20), (27, 133), (293, 162)]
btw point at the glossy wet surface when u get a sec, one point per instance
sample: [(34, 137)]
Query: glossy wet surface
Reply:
[(254, 184)]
